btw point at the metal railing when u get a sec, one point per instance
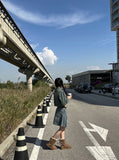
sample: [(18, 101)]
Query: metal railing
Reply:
[(114, 1)]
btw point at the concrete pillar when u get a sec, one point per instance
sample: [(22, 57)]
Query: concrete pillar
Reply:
[(29, 82), (117, 73), (117, 37)]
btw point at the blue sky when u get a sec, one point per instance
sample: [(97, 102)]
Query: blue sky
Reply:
[(69, 36)]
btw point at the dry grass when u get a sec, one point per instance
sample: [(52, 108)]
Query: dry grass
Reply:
[(16, 104)]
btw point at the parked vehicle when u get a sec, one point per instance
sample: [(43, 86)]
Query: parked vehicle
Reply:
[(115, 89), (107, 88), (85, 88), (77, 88)]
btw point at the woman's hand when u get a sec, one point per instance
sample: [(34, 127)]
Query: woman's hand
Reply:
[(69, 96)]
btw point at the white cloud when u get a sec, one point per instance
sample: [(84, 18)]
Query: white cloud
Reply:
[(111, 41), (61, 20), (93, 68), (34, 46), (47, 56)]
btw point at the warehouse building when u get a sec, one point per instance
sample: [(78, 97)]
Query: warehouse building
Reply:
[(92, 77)]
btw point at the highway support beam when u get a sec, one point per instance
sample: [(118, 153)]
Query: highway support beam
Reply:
[(29, 82), (28, 77), (3, 39)]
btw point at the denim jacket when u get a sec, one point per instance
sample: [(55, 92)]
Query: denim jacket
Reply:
[(60, 98)]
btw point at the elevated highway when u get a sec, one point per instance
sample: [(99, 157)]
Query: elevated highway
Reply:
[(15, 49)]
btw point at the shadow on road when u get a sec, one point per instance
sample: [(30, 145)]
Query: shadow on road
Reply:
[(38, 142), (33, 126), (95, 99), (43, 144)]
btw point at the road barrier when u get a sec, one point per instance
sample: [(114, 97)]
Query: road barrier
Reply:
[(39, 119), (21, 155), (21, 148), (44, 110), (47, 101)]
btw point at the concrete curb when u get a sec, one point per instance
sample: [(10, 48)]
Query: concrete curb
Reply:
[(4, 146)]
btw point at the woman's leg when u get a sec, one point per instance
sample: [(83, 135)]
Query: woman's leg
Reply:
[(60, 132), (52, 141), (62, 135), (62, 140)]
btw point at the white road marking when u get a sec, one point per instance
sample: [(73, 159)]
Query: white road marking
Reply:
[(102, 152), (97, 151), (37, 146), (101, 131), (87, 131)]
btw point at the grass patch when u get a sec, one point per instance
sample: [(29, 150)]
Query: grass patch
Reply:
[(17, 104)]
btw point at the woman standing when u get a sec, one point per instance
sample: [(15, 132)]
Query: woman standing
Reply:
[(60, 118)]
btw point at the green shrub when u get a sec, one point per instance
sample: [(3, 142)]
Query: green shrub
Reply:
[(16, 104)]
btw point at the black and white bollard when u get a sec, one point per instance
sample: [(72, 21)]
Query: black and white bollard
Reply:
[(39, 119), (21, 148), (44, 109)]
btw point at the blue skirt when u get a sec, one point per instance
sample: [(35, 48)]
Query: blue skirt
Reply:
[(60, 117)]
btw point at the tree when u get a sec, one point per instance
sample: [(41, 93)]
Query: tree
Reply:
[(68, 78)]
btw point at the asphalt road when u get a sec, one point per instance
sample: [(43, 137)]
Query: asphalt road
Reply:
[(93, 131)]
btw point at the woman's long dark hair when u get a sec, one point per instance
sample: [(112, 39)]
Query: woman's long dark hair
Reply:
[(59, 83)]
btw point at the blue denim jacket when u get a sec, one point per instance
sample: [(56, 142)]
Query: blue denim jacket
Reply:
[(60, 98)]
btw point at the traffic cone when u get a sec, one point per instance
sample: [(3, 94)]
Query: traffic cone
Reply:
[(47, 96), (21, 148), (44, 101), (47, 101), (44, 107), (39, 120)]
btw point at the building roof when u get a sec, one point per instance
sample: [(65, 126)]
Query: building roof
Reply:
[(91, 72)]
